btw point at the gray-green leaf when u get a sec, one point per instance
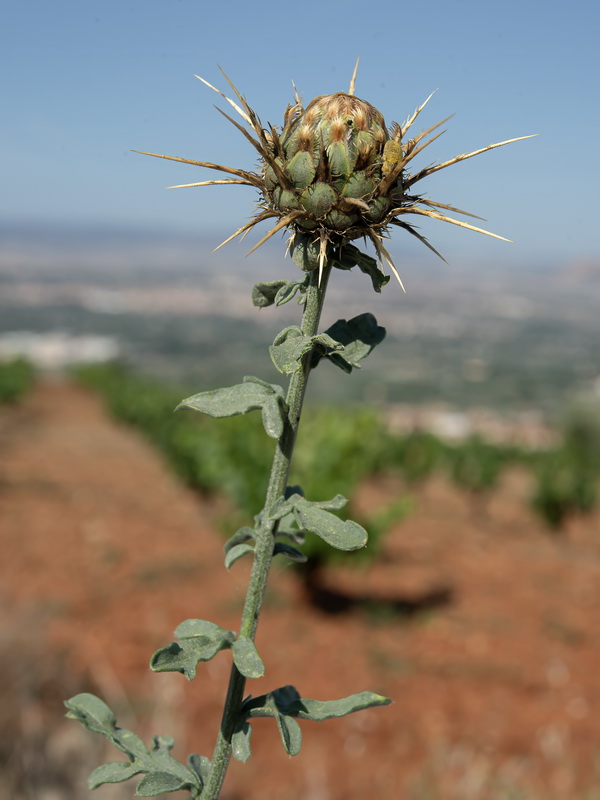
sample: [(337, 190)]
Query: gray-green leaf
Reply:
[(198, 640), (350, 256), (190, 628), (288, 701), (246, 658), (281, 548), (163, 772), (237, 552), (92, 712), (159, 783), (275, 292), (240, 742), (251, 395), (288, 349), (291, 735), (319, 710), (315, 517), (289, 290), (341, 534), (113, 772), (356, 338), (264, 294), (241, 536), (200, 765)]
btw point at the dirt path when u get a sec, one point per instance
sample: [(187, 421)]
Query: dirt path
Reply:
[(488, 639)]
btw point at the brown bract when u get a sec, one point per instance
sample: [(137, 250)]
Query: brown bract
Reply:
[(334, 173)]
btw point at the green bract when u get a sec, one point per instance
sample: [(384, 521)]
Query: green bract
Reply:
[(333, 173)]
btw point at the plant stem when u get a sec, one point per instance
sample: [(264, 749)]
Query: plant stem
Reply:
[(263, 554)]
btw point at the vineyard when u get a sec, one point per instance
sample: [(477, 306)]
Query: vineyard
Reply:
[(466, 611), (336, 452), (16, 378)]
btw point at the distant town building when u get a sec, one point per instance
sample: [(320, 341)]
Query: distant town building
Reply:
[(57, 351)]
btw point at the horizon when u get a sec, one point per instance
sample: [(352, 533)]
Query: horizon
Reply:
[(88, 82)]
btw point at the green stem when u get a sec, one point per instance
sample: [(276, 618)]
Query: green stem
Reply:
[(263, 555)]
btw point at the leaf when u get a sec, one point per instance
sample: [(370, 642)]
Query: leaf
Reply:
[(251, 395), (159, 783), (276, 292), (264, 294), (92, 712), (291, 735), (199, 640), (356, 338), (281, 548), (289, 290), (246, 658), (237, 552), (201, 627), (240, 742), (335, 504), (351, 256), (291, 534), (319, 710), (288, 349), (285, 700), (273, 417), (241, 536), (341, 534), (161, 755), (163, 772), (286, 705), (200, 765), (113, 772), (315, 517), (288, 701)]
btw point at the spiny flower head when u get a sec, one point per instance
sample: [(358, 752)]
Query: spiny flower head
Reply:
[(334, 173)]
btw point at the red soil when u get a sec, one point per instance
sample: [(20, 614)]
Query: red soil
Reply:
[(493, 666)]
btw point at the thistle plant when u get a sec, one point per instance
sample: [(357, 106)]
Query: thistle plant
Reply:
[(333, 173)]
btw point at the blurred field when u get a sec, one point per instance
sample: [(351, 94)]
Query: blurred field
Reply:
[(480, 625)]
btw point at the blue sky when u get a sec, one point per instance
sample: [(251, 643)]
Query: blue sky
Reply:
[(83, 82)]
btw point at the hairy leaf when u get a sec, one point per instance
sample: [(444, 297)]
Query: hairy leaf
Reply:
[(163, 773), (246, 658), (273, 416), (251, 395), (288, 349), (351, 256), (92, 712), (291, 735), (276, 292), (264, 294), (241, 536), (286, 705), (356, 337), (113, 772), (289, 290), (200, 765), (198, 640), (319, 710), (237, 552), (288, 701), (341, 534), (240, 742), (190, 628), (281, 548), (291, 345), (315, 517), (159, 783)]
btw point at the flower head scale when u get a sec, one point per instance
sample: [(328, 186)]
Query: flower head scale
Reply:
[(334, 173)]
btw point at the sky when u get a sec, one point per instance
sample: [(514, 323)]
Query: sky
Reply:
[(85, 82)]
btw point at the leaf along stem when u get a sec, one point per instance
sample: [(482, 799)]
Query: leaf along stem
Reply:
[(280, 469)]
